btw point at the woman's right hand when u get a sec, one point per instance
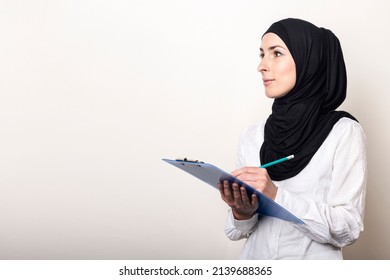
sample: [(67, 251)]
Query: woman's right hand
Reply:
[(237, 198)]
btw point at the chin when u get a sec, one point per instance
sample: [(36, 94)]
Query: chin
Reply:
[(271, 94)]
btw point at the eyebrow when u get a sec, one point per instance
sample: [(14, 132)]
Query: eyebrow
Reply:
[(273, 47)]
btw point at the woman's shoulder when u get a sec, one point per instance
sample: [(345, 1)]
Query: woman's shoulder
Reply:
[(348, 126), (348, 129)]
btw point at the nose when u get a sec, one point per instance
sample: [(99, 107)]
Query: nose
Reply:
[(263, 66)]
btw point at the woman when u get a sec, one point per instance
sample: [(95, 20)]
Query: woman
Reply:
[(302, 69)]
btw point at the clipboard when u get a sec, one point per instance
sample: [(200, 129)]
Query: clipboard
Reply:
[(211, 175)]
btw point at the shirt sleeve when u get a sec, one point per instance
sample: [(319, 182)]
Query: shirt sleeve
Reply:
[(338, 220), (238, 229)]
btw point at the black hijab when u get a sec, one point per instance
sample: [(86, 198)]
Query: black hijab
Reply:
[(302, 119)]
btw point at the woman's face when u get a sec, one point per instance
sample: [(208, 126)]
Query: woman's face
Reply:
[(277, 66)]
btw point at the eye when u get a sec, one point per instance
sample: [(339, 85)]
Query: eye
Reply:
[(278, 53), (261, 55)]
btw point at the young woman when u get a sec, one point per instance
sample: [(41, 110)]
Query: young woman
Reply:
[(303, 70)]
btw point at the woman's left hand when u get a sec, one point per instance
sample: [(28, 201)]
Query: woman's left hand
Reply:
[(257, 178)]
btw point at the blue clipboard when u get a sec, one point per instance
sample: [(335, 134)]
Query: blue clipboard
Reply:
[(211, 175)]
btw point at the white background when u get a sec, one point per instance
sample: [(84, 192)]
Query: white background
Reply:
[(94, 93)]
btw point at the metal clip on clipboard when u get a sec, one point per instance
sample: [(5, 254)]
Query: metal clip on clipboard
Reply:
[(186, 160)]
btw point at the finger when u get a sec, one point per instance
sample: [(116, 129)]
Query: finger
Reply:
[(255, 200), (249, 170), (228, 192), (237, 172), (244, 196), (237, 194), (246, 169), (221, 191), (220, 186)]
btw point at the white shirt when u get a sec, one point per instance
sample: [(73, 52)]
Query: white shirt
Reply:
[(328, 195)]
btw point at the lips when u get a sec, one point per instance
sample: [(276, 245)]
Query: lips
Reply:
[(267, 82)]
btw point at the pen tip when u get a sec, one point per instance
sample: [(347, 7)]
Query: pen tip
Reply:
[(290, 157)]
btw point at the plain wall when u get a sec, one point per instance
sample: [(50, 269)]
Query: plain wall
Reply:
[(94, 93)]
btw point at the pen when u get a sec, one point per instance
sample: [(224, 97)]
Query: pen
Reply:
[(276, 161)]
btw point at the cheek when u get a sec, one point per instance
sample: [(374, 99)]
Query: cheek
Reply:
[(289, 75)]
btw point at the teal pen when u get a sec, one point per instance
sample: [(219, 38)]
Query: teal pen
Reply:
[(276, 161)]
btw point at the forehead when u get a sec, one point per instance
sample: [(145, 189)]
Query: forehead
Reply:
[(271, 40)]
